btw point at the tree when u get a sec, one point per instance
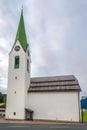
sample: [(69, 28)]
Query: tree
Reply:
[(1, 97)]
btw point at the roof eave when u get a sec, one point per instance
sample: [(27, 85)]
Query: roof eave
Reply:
[(64, 90)]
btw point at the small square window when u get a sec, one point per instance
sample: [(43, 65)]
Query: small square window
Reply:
[(16, 77), (14, 113)]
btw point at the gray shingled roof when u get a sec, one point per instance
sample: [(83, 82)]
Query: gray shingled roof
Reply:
[(55, 83)]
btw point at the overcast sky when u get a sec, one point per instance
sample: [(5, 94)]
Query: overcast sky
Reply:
[(57, 35)]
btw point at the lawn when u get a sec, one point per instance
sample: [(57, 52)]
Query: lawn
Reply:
[(1, 104), (85, 116)]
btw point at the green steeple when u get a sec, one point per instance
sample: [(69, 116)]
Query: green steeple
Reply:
[(21, 34)]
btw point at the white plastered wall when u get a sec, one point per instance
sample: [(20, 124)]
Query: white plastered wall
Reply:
[(16, 87), (62, 106)]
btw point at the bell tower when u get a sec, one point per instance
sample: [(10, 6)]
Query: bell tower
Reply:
[(18, 75)]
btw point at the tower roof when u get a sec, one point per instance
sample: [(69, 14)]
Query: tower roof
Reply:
[(21, 34)]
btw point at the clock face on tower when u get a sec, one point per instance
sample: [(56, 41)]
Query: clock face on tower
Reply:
[(17, 48)]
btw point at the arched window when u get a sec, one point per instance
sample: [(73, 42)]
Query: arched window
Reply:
[(16, 65), (27, 65)]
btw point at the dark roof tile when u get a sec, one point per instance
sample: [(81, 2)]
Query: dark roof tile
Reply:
[(55, 83)]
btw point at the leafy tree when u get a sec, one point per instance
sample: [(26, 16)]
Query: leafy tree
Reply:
[(1, 97), (4, 98)]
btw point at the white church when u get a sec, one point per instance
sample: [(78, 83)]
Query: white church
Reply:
[(54, 98)]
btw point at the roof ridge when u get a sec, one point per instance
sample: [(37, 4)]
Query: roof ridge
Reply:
[(53, 76)]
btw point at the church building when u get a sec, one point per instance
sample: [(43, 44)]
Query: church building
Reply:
[(54, 98)]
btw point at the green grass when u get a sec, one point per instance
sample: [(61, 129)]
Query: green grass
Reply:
[(85, 116)]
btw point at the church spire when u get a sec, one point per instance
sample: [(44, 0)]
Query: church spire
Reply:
[(21, 34)]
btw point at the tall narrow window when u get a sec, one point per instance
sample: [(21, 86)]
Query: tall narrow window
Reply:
[(27, 65), (16, 65)]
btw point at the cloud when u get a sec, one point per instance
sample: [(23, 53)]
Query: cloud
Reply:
[(48, 37), (58, 41)]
